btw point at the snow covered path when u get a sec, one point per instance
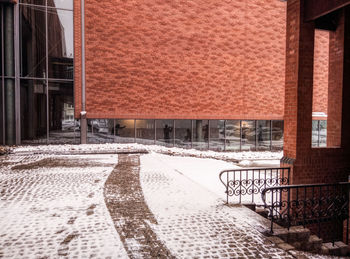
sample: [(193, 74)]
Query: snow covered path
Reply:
[(193, 222), (53, 206)]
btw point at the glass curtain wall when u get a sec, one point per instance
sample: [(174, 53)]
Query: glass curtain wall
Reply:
[(263, 133), (7, 73), (46, 72), (165, 132), (183, 133), (200, 134), (319, 133), (2, 88), (277, 133), (217, 135)]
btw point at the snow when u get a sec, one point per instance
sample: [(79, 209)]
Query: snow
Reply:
[(51, 211), (192, 221), (253, 156)]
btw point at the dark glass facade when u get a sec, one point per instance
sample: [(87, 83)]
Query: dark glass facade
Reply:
[(46, 72), (218, 135), (319, 133)]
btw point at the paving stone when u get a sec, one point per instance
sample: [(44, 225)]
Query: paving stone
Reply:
[(275, 239), (285, 246), (44, 204)]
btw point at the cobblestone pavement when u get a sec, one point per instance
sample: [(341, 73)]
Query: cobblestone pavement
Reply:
[(130, 213), (53, 206), (193, 223)]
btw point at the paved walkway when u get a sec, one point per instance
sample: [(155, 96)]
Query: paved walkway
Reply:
[(109, 206), (53, 206), (193, 223)]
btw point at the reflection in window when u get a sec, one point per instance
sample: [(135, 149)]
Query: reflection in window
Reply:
[(200, 134), (33, 111), (33, 42), (248, 135), (62, 125), (277, 135), (183, 133), (124, 131), (315, 135), (323, 133), (34, 2), (100, 131), (319, 133), (233, 135), (217, 135), (165, 132), (2, 124), (60, 44), (263, 135), (145, 131), (64, 4)]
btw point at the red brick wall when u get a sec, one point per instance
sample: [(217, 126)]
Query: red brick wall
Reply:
[(321, 67), (182, 59)]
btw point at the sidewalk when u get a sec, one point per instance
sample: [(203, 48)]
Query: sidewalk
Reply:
[(121, 206)]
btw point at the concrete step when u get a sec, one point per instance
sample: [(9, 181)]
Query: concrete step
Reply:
[(262, 211), (314, 244), (338, 249), (296, 234)]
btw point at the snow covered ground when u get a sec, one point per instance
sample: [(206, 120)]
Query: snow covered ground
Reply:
[(54, 206), (246, 158)]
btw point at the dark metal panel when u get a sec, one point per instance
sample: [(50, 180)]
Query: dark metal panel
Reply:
[(317, 8)]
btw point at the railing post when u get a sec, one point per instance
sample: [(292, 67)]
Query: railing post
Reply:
[(271, 211), (227, 187)]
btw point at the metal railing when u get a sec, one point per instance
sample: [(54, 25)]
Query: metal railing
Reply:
[(311, 204), (247, 184)]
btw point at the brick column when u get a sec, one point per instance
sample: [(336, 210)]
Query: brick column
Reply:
[(335, 84), (299, 83)]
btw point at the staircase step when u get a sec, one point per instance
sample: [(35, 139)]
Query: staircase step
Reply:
[(344, 249), (298, 234), (262, 211), (314, 244), (329, 249)]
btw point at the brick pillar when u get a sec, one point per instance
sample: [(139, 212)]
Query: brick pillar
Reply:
[(335, 84), (299, 83)]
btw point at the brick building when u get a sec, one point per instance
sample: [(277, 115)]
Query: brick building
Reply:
[(199, 74)]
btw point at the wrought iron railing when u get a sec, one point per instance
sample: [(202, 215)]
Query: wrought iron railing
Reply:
[(248, 184), (311, 204)]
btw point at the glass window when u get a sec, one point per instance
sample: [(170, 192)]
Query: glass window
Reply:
[(277, 135), (100, 131), (124, 131), (183, 133), (33, 42), (315, 133), (34, 2), (233, 135), (145, 131), (263, 135), (9, 69), (2, 124), (248, 135), (33, 111), (165, 132), (323, 133), (64, 4), (217, 135), (62, 125), (200, 134), (60, 44)]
